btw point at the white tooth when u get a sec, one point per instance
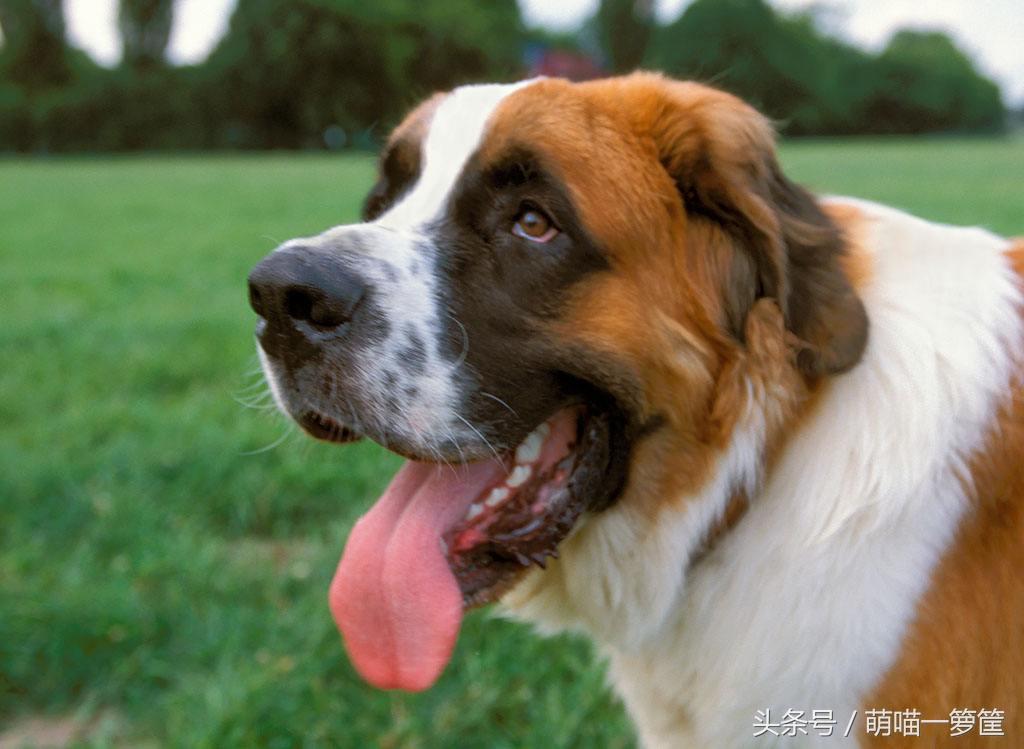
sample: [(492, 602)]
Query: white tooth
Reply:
[(529, 450), (519, 476), (474, 510), (496, 497)]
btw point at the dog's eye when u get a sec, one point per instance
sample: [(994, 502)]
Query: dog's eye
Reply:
[(533, 225)]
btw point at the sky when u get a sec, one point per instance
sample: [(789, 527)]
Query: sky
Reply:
[(992, 31)]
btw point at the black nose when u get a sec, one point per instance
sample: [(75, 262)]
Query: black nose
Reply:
[(301, 284)]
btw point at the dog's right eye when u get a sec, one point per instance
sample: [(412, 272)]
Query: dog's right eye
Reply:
[(534, 225)]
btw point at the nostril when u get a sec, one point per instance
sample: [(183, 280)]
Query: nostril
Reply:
[(310, 305), (298, 303), (330, 313)]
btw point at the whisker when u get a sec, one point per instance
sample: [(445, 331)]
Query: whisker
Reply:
[(254, 395), (499, 400), (462, 455), (465, 339), (478, 434), (263, 402), (287, 433), (432, 446), (254, 385), (431, 442)]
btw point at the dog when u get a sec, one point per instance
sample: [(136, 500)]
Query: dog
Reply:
[(765, 449)]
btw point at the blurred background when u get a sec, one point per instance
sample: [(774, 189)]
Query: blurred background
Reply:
[(112, 75), (166, 538)]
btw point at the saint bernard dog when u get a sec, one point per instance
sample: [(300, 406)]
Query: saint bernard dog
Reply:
[(766, 450)]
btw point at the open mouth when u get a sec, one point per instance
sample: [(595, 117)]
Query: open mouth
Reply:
[(444, 538), (520, 519)]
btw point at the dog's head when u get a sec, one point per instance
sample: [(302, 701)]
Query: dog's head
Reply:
[(556, 305)]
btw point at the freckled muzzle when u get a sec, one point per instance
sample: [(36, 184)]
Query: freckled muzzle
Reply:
[(325, 327)]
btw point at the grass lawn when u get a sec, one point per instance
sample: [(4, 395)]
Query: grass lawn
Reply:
[(165, 550)]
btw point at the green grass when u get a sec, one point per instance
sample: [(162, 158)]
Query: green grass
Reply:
[(965, 181), (162, 577)]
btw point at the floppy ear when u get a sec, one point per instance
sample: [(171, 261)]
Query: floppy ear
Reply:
[(721, 154)]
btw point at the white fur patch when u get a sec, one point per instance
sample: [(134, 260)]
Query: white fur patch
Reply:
[(455, 133), (804, 603), (396, 255)]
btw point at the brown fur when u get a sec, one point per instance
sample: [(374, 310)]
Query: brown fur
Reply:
[(858, 269), (724, 271), (966, 646)]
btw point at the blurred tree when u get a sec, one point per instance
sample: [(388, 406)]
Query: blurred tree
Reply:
[(309, 73), (436, 45), (1017, 118), (747, 48), (924, 83), (624, 29), (145, 27), (813, 83), (34, 56), (289, 69)]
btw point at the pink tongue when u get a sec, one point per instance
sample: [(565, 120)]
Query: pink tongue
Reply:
[(395, 600)]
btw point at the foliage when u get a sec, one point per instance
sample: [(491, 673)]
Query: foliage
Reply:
[(286, 72), (926, 83), (624, 28), (121, 110), (289, 69), (17, 129), (815, 84), (313, 73), (35, 54), (145, 27)]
